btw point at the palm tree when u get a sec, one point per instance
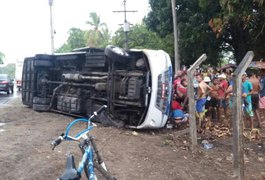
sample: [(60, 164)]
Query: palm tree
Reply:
[(2, 57), (95, 36)]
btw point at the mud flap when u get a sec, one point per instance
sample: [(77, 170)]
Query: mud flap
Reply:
[(106, 120)]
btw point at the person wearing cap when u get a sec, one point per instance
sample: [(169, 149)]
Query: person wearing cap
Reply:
[(206, 79), (248, 104), (203, 90), (179, 118), (223, 85)]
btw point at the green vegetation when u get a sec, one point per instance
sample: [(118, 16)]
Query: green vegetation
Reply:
[(142, 38), (97, 36), (195, 36), (9, 69), (2, 57), (216, 28), (75, 40), (212, 27), (240, 24)]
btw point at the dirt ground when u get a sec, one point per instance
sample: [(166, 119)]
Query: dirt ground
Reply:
[(25, 151)]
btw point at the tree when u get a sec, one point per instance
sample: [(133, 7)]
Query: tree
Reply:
[(9, 69), (75, 40), (64, 48), (142, 38), (98, 34), (195, 36), (106, 37), (2, 57), (240, 24), (159, 19), (213, 27)]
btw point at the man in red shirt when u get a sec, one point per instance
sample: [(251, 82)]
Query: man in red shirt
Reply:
[(223, 85), (177, 78), (180, 97)]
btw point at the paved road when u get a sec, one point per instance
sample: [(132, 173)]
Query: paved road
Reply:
[(4, 98)]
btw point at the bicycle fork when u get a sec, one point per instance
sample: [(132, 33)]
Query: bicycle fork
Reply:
[(98, 156)]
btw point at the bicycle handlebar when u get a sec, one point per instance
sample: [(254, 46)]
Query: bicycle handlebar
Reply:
[(98, 111), (57, 141), (79, 135)]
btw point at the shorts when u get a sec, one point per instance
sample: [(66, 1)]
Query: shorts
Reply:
[(230, 103), (222, 103), (255, 101), (248, 109), (211, 103), (200, 103), (262, 102)]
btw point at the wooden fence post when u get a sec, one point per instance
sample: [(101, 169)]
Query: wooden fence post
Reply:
[(238, 151), (192, 119)]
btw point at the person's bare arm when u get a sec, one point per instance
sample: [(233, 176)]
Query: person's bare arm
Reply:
[(185, 102), (260, 86), (209, 87), (228, 91)]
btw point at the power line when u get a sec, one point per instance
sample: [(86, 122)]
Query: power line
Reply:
[(126, 24)]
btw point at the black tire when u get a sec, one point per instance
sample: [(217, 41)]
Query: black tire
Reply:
[(40, 107), (97, 173), (103, 172), (8, 90), (43, 101), (116, 53)]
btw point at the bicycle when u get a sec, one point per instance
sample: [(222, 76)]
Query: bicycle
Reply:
[(88, 148)]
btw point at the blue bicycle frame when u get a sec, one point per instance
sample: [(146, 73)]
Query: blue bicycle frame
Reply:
[(88, 154), (88, 148)]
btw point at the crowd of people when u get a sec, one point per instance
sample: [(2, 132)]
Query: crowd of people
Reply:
[(213, 96)]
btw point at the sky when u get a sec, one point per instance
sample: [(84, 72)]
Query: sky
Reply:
[(25, 24)]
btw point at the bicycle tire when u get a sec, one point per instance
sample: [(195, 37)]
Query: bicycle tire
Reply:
[(8, 90), (105, 173), (99, 168)]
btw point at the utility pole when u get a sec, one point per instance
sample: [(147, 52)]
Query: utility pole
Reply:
[(126, 24), (51, 26), (175, 28)]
